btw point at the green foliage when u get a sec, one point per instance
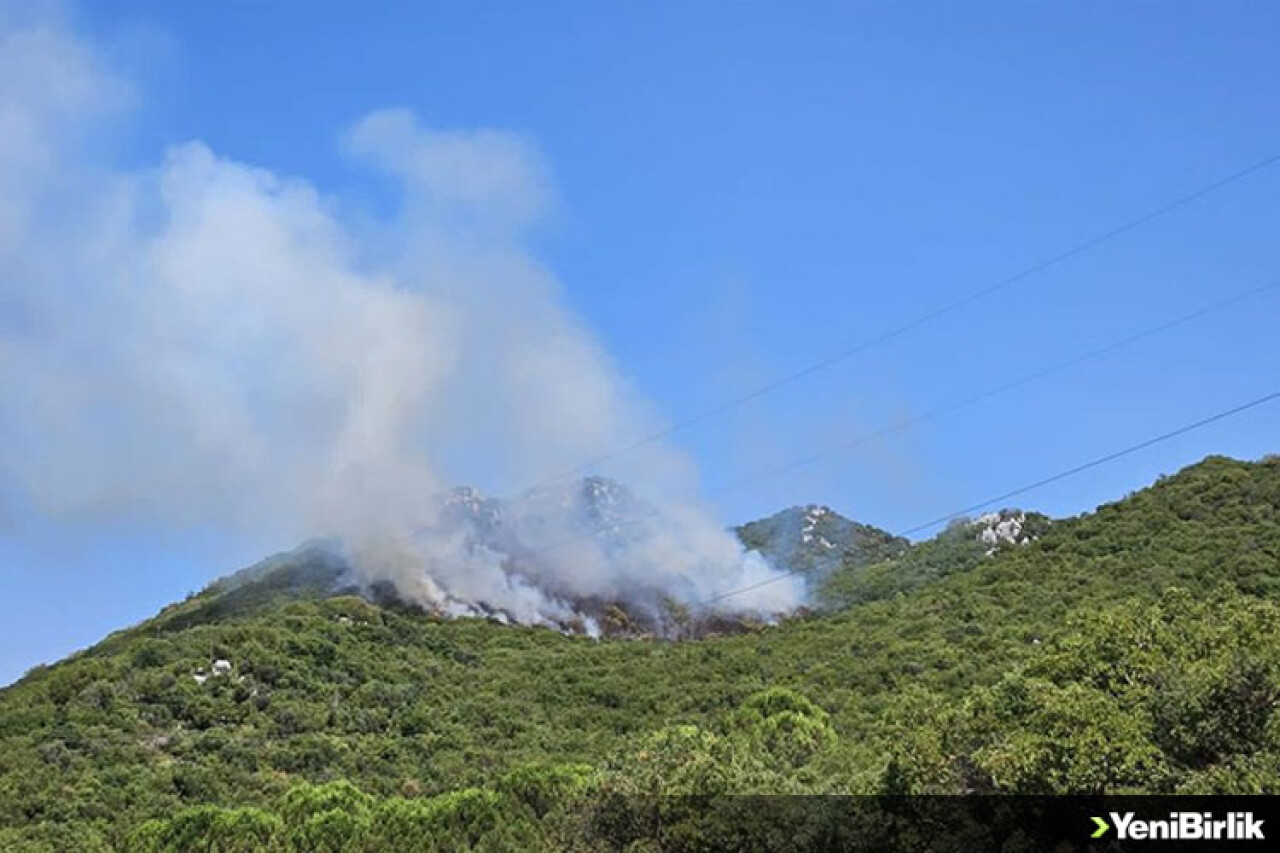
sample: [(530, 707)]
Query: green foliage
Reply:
[(784, 725), (813, 541), (1153, 696), (308, 802), (1129, 649), (209, 829), (542, 788), (957, 549)]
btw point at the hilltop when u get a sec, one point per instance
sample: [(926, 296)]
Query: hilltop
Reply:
[(962, 545), (816, 540), (1127, 649), (812, 541)]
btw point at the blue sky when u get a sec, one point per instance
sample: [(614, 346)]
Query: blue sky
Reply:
[(744, 188)]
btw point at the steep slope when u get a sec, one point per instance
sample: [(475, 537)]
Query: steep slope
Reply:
[(811, 540), (816, 540), (961, 546), (1003, 676), (524, 534)]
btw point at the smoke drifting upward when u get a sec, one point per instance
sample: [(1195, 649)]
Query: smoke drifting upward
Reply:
[(208, 342)]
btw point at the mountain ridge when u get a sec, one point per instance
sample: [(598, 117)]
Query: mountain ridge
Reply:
[(812, 541), (1104, 655)]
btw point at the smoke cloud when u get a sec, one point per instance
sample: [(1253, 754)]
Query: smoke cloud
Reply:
[(209, 342)]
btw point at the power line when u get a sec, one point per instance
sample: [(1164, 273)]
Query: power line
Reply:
[(1062, 475), (1026, 379), (917, 322), (933, 414)]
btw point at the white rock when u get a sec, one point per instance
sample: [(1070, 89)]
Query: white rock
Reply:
[(996, 528)]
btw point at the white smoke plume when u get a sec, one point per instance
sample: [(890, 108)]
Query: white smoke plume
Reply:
[(208, 342)]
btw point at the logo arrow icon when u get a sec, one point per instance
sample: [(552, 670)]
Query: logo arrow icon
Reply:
[(1103, 826)]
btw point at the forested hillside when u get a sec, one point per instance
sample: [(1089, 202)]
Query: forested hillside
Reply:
[(961, 546), (815, 541), (1130, 649)]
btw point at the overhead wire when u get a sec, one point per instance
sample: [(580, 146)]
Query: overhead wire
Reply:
[(1026, 379), (933, 414), (920, 320), (1021, 490)]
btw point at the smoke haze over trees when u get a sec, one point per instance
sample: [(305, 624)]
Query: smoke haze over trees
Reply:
[(205, 342)]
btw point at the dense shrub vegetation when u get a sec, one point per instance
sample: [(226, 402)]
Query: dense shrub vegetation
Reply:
[(1132, 649)]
